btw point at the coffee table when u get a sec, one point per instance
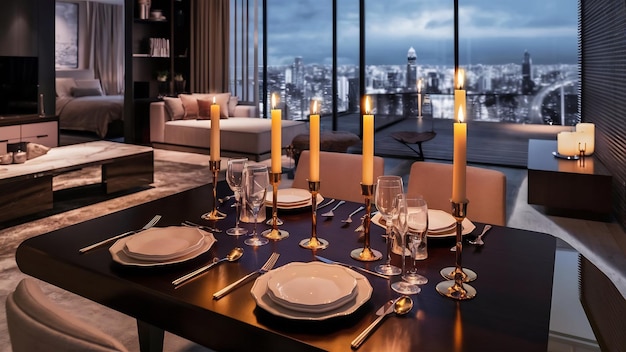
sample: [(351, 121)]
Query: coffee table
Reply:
[(27, 188)]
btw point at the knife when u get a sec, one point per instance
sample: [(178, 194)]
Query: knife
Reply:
[(385, 310), (328, 261)]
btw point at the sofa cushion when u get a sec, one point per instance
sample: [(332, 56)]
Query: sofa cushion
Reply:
[(204, 107), (190, 104), (174, 107), (232, 104), (220, 98)]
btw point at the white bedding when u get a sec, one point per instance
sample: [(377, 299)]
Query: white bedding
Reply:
[(89, 113)]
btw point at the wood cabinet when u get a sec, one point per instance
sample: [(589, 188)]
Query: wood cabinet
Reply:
[(40, 130), (160, 45)]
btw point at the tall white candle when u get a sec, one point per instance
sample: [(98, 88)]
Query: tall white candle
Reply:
[(215, 132), (276, 143), (314, 143), (459, 160), (368, 146)]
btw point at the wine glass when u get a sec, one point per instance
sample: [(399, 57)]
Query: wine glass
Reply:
[(234, 175), (401, 220), (387, 188), (413, 240), (255, 182)]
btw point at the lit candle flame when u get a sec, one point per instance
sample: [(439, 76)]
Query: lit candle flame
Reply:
[(274, 101), (419, 85), (314, 110), (213, 100), (460, 78), (460, 114), (367, 105)]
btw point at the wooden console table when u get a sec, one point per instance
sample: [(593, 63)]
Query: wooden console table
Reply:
[(27, 188), (573, 185)]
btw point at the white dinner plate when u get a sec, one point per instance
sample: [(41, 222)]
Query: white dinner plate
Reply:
[(163, 243), (119, 256), (439, 220), (311, 286), (468, 227), (363, 294), (291, 198)]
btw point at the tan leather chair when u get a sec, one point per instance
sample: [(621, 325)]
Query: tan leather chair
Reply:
[(36, 324), (340, 174), (486, 190)]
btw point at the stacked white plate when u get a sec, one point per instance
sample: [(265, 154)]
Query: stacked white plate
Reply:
[(311, 291), (440, 224), (161, 245), (291, 198)]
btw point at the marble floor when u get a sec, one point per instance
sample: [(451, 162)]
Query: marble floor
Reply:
[(176, 171)]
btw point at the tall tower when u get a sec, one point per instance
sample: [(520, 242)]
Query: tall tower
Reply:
[(527, 83), (298, 73), (411, 70)]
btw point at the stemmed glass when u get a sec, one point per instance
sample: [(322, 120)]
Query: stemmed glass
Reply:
[(412, 225), (387, 188), (255, 182), (234, 177)]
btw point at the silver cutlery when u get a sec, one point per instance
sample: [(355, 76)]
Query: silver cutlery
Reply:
[(348, 220), (330, 214), (201, 227), (269, 264), (151, 223), (325, 204), (360, 228), (401, 306), (479, 240), (328, 261), (232, 256), (225, 199)]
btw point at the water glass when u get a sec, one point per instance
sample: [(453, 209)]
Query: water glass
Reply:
[(415, 238), (255, 182), (387, 188), (234, 178)]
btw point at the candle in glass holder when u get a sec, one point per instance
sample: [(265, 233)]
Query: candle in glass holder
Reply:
[(314, 143), (215, 131), (459, 159), (276, 143), (368, 146)]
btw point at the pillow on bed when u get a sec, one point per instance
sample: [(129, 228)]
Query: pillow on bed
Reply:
[(85, 92), (90, 83), (220, 98), (174, 107), (190, 105), (64, 86)]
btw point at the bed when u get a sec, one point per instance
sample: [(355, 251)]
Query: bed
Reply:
[(82, 106)]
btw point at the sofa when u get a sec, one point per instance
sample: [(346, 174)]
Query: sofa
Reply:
[(182, 123)]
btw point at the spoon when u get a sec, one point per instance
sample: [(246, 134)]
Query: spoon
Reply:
[(479, 240), (232, 256), (400, 306)]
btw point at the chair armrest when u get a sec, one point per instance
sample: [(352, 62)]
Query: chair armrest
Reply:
[(158, 117), (246, 111)]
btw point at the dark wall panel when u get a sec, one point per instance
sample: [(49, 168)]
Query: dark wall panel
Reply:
[(603, 85)]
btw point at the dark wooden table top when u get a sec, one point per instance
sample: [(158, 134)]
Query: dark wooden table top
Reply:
[(511, 310)]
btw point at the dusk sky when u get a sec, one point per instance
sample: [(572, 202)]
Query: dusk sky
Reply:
[(491, 32)]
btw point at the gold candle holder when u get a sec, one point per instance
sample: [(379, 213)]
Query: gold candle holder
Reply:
[(314, 242), (275, 233), (366, 254), (213, 215), (456, 288)]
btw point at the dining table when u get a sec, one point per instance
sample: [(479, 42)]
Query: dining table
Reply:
[(511, 310)]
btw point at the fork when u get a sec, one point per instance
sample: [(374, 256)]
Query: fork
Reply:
[(348, 220), (269, 264), (151, 223), (330, 214), (201, 227)]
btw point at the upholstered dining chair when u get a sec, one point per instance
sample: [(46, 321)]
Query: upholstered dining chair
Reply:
[(35, 323), (486, 190), (340, 174)]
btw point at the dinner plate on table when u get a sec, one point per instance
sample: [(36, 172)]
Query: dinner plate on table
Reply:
[(291, 198), (260, 294), (450, 231), (311, 287), (119, 252), (163, 243)]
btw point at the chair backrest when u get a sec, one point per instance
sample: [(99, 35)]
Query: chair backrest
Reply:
[(486, 190), (35, 323), (340, 174)]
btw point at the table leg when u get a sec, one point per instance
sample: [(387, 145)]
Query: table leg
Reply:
[(150, 337)]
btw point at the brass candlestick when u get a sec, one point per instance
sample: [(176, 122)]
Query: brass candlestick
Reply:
[(456, 288), (366, 254), (274, 233), (314, 242), (214, 166)]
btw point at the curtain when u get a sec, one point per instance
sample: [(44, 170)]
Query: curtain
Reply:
[(106, 36), (210, 45)]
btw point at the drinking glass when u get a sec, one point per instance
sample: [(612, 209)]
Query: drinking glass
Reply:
[(414, 239), (406, 214), (255, 182), (234, 177), (387, 188)]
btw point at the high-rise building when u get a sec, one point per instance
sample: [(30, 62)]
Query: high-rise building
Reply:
[(411, 70), (298, 73), (528, 85)]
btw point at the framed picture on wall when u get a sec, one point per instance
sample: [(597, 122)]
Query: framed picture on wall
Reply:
[(66, 35)]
